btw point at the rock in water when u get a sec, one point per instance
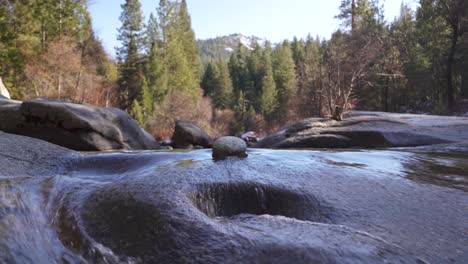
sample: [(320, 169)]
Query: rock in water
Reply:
[(229, 147), (3, 91), (79, 127), (187, 135)]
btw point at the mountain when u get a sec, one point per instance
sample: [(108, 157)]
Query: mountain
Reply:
[(222, 47)]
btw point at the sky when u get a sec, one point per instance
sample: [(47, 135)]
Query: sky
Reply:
[(274, 20)]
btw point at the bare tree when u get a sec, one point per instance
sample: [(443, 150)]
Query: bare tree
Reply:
[(62, 72), (348, 61)]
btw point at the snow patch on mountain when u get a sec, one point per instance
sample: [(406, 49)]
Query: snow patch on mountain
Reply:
[(246, 42), (222, 47)]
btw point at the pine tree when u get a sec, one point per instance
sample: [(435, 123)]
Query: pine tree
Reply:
[(284, 73), (455, 15), (360, 14), (269, 95), (217, 84), (152, 35), (180, 53), (222, 94), (129, 54), (298, 51), (156, 70), (208, 81), (146, 99), (311, 88), (137, 113), (239, 72), (256, 72), (188, 39)]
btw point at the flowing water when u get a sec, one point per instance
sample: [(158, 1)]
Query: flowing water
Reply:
[(42, 219)]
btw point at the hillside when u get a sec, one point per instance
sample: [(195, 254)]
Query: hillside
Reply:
[(222, 47)]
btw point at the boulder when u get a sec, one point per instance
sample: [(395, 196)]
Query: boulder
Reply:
[(4, 94), (75, 126), (187, 135), (369, 130), (229, 147)]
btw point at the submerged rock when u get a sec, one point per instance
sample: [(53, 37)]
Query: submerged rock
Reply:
[(187, 135), (75, 126), (369, 130), (229, 147)]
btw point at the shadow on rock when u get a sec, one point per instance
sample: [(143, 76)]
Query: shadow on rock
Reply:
[(226, 200)]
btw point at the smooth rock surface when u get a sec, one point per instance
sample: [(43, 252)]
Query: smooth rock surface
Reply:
[(229, 147), (277, 206), (369, 130), (80, 127), (187, 135)]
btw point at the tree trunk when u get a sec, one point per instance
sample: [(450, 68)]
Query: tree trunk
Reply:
[(353, 16), (464, 85), (59, 85), (451, 58), (386, 95), (338, 114)]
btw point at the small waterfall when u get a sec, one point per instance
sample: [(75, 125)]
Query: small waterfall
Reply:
[(27, 235), (261, 199)]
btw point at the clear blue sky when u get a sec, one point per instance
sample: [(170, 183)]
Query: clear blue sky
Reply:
[(272, 19)]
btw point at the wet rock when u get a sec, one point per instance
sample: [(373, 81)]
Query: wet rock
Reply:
[(229, 147), (250, 137), (369, 130), (4, 94), (277, 206), (24, 156), (187, 135), (247, 228), (80, 127)]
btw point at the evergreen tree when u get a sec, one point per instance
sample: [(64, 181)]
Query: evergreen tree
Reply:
[(137, 113), (146, 99), (188, 40), (455, 15), (217, 84), (180, 53), (311, 88), (208, 81), (256, 71), (298, 51), (285, 77), (156, 70), (239, 72), (152, 34), (129, 54), (222, 94), (269, 95), (360, 14)]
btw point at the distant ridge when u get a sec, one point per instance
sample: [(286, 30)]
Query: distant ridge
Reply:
[(222, 47)]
